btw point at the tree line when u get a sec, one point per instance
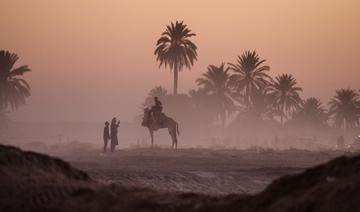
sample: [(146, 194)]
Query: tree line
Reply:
[(242, 90), (245, 90)]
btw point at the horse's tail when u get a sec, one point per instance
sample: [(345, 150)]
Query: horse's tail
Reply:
[(177, 128)]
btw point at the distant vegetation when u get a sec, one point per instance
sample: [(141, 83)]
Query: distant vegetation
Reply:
[(228, 94), (244, 92)]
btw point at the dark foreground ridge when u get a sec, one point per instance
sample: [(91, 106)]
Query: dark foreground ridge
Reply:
[(36, 182)]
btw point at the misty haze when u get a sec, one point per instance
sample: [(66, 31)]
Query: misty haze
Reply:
[(161, 106)]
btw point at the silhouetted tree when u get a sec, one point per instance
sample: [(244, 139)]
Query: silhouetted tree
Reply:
[(204, 106), (344, 108), (311, 113), (285, 94), (174, 48), (13, 89), (199, 97), (260, 107), (249, 74), (216, 83)]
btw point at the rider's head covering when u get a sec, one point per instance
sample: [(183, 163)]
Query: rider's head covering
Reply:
[(106, 123)]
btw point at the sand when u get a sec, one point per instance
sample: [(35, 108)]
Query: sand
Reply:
[(206, 171), (31, 181)]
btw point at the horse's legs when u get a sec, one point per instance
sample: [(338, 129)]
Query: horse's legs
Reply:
[(172, 137), (176, 141), (152, 137), (175, 138), (172, 132)]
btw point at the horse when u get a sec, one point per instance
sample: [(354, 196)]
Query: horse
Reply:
[(162, 121)]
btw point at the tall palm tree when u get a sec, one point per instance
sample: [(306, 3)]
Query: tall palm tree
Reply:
[(174, 48), (249, 74), (285, 94), (216, 83), (344, 107), (13, 89), (311, 113)]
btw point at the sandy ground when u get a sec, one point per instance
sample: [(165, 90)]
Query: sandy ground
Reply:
[(37, 182), (205, 171)]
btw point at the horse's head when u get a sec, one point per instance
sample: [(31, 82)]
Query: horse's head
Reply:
[(146, 117)]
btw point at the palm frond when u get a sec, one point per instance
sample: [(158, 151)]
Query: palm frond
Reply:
[(13, 90)]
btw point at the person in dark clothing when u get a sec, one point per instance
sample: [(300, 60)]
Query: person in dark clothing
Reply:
[(113, 134), (156, 109), (106, 135), (158, 105)]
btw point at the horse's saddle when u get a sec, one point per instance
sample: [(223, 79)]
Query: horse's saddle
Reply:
[(156, 118)]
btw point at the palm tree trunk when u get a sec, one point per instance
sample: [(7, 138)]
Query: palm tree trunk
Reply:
[(223, 119), (175, 80), (247, 97), (282, 114)]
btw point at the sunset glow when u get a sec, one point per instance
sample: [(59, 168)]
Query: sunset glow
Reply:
[(95, 59)]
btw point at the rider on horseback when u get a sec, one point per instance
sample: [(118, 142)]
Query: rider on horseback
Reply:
[(155, 111), (154, 119)]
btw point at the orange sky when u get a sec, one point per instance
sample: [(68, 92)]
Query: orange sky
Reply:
[(93, 59)]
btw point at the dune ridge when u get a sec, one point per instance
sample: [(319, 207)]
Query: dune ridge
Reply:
[(37, 182)]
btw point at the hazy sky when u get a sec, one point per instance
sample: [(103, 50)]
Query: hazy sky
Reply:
[(92, 59)]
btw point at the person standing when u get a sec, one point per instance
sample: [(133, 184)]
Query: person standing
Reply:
[(113, 134), (106, 135)]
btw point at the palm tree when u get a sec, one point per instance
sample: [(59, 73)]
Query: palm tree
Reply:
[(174, 48), (249, 74), (285, 94), (13, 89), (260, 107), (344, 107), (311, 113), (216, 83)]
